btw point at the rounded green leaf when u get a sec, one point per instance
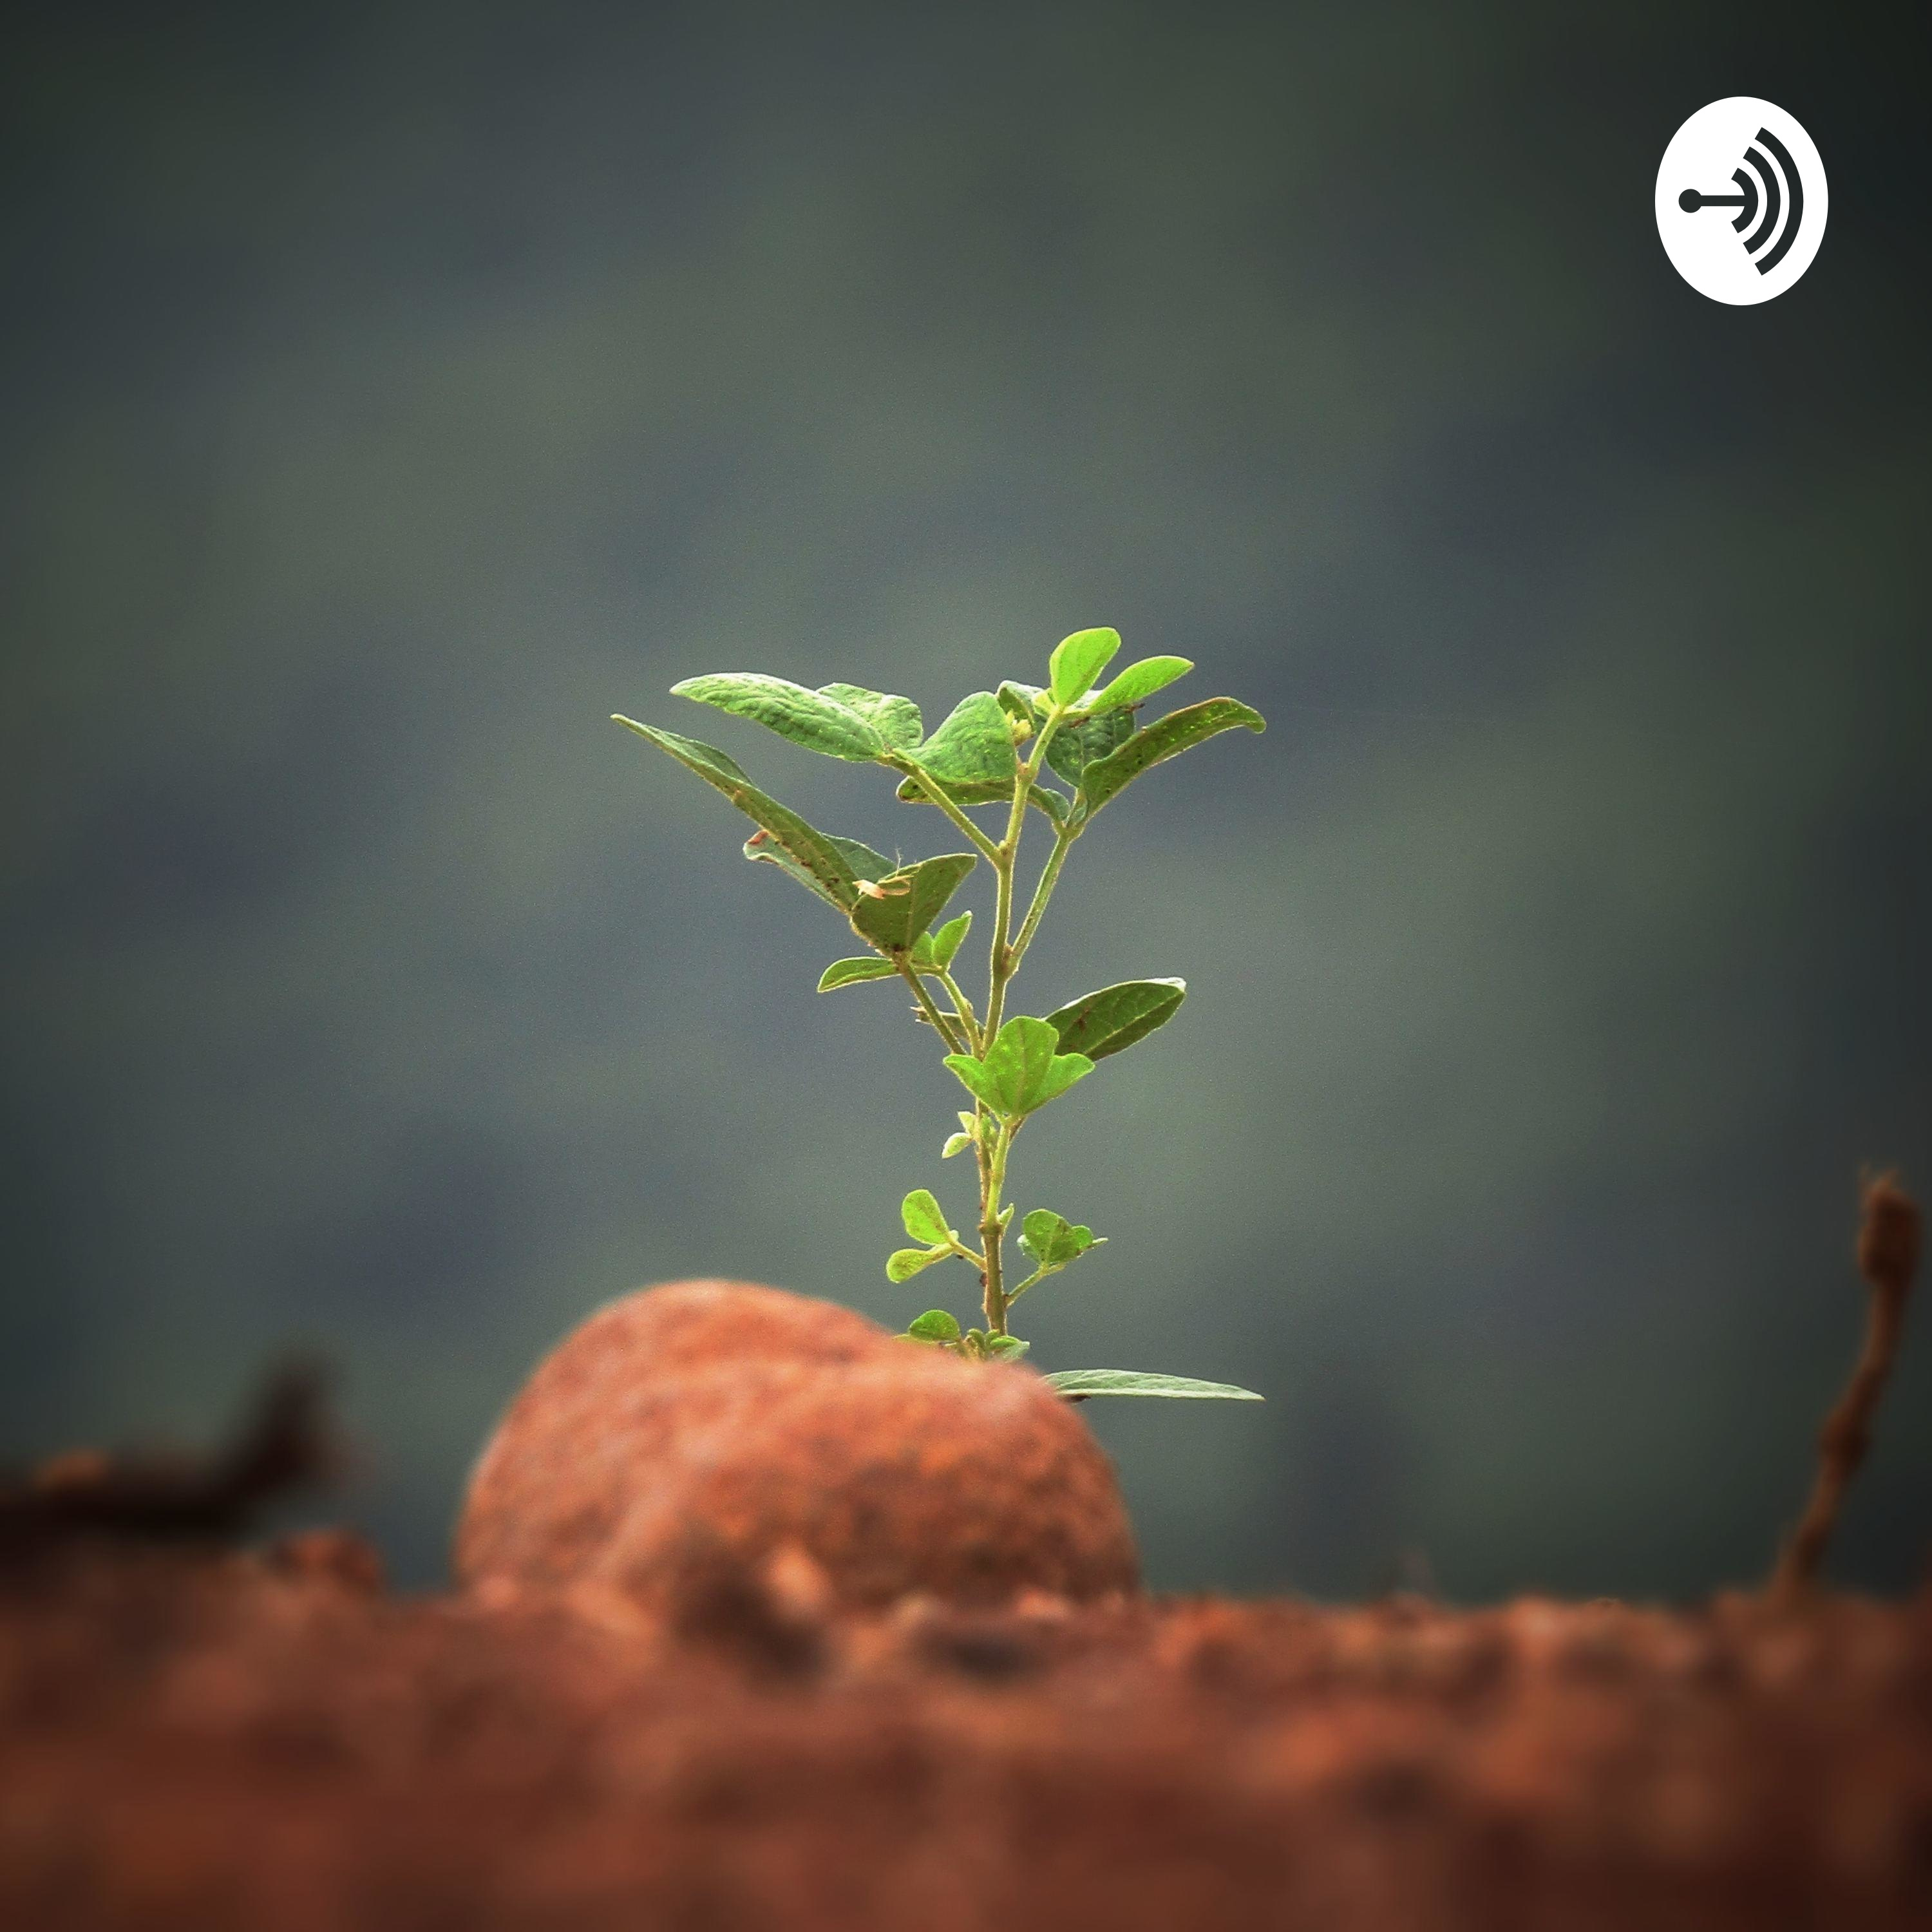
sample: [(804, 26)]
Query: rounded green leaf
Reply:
[(1006, 1348), (1053, 1240), (811, 719), (902, 1264), (1139, 682), (1078, 1384), (910, 899), (811, 856), (1077, 661), (935, 1325), (1099, 1023), (1174, 733), (924, 1221), (955, 1143)]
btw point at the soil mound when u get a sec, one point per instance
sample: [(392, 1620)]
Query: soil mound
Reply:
[(710, 1422)]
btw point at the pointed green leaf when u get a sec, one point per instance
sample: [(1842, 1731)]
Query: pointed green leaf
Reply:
[(955, 1143), (902, 1264), (895, 719), (1053, 1240), (860, 860), (1073, 748), (931, 953), (935, 1325), (946, 941), (816, 859), (1042, 798), (1006, 1348), (913, 897), (973, 1076), (1099, 1023), (924, 1221), (1062, 1072), (1138, 682), (1077, 1384), (1078, 660), (807, 718), (974, 746), (1019, 1061), (1173, 733), (855, 972), (1022, 1070)]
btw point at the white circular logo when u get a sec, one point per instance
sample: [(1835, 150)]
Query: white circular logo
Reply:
[(1741, 200)]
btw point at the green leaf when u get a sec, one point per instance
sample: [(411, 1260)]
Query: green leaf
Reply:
[(955, 1143), (861, 860), (1077, 661), (895, 719), (1073, 748), (1008, 1348), (973, 747), (1042, 798), (1139, 682), (1021, 1070), (1173, 733), (924, 1221), (935, 1325), (947, 940), (1023, 703), (807, 718), (913, 897), (931, 953), (1099, 1023), (855, 972), (902, 1264), (815, 859), (1078, 1384), (972, 1075), (1053, 1240)]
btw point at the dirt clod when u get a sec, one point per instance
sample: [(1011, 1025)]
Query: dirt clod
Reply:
[(710, 1423)]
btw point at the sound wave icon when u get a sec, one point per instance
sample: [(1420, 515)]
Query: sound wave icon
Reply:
[(1749, 198)]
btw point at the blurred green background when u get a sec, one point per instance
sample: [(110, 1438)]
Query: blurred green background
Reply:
[(391, 393)]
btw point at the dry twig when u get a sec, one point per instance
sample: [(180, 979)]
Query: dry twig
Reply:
[(1888, 1253)]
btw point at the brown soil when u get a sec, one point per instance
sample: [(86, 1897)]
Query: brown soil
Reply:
[(208, 1741), (770, 1621)]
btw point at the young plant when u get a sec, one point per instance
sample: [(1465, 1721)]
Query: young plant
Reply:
[(998, 748)]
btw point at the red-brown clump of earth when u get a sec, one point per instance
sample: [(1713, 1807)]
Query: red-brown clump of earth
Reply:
[(708, 1423)]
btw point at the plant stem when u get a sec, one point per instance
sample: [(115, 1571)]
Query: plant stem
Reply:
[(963, 1006), (992, 1236), (1063, 843), (1038, 1275), (936, 792), (941, 1025), (1006, 958)]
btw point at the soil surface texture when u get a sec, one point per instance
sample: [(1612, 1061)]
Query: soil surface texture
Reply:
[(202, 1740)]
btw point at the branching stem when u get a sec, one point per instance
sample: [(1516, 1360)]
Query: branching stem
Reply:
[(940, 1023)]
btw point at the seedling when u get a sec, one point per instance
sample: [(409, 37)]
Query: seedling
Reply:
[(998, 748)]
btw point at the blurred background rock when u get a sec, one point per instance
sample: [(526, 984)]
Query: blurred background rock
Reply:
[(391, 393)]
